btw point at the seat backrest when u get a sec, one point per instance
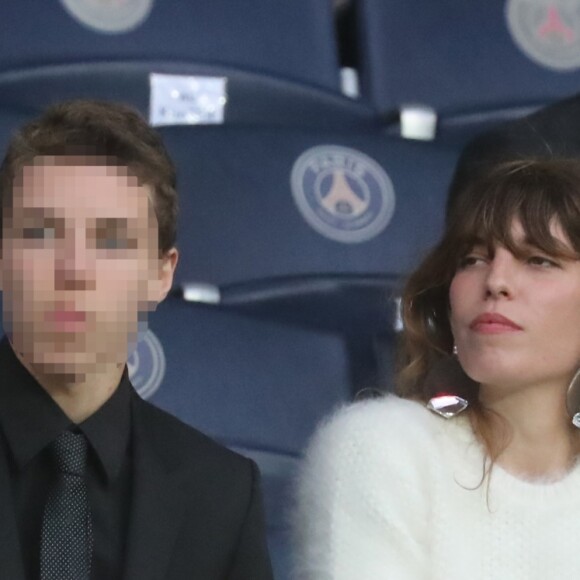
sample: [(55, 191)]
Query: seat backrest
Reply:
[(265, 203), (248, 383), (293, 40), (465, 57), (87, 49)]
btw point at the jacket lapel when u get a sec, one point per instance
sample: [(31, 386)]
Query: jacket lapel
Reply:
[(10, 555), (158, 501)]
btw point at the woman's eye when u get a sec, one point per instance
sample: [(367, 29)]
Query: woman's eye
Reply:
[(470, 260), (543, 262)]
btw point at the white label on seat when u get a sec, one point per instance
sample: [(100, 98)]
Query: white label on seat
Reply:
[(186, 100)]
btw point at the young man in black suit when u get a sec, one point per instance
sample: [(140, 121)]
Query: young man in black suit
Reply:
[(96, 483)]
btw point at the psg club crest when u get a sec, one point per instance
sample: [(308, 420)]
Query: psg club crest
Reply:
[(547, 31), (109, 16), (342, 193), (146, 365)]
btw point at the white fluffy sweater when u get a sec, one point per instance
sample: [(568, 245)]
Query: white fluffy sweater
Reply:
[(390, 491)]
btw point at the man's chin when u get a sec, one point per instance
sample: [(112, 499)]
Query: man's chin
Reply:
[(65, 366), (52, 356)]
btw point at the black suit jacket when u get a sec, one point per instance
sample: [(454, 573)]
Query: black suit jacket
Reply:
[(196, 510)]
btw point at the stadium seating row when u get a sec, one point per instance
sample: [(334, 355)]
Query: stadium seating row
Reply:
[(471, 64)]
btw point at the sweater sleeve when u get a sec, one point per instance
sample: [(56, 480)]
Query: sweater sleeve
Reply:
[(363, 509)]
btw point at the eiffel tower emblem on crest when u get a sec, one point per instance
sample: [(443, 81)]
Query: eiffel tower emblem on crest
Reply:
[(546, 31), (343, 194), (341, 199)]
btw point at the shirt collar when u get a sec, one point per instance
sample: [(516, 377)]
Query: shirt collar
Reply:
[(31, 420), (108, 429)]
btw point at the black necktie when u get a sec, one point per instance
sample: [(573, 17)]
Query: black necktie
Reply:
[(66, 544)]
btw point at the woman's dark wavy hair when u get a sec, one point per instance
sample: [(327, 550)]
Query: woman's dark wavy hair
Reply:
[(535, 192)]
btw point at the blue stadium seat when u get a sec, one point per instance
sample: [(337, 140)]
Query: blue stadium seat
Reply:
[(272, 77), (260, 204), (252, 99), (251, 384), (470, 61), (292, 40), (257, 387)]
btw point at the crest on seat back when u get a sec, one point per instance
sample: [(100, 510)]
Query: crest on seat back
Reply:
[(109, 16), (342, 193), (146, 365), (546, 31)]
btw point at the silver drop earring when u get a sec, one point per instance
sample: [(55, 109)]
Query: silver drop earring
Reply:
[(573, 400)]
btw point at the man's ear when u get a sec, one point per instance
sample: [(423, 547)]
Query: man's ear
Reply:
[(167, 267)]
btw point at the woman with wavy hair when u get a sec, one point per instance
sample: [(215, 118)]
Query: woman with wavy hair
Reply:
[(471, 470)]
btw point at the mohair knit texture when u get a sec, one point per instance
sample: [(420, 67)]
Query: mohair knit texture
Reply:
[(390, 491)]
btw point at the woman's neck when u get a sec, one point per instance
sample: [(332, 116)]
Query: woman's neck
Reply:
[(532, 429)]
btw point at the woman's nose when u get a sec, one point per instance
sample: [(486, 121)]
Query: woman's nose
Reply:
[(501, 275)]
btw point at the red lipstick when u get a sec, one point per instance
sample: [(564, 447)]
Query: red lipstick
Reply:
[(493, 323)]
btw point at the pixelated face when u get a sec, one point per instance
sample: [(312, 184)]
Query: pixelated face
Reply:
[(79, 264)]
